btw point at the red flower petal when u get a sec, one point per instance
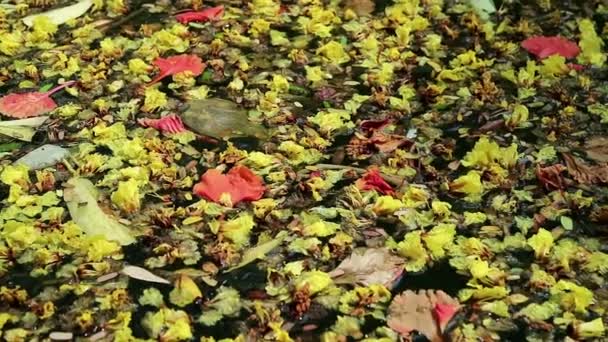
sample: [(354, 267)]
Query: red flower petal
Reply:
[(443, 313), (212, 13), (168, 124), (543, 47), (373, 181), (176, 64), (26, 105), (240, 183)]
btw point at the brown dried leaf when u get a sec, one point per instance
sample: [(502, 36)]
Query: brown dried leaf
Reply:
[(426, 311), (597, 149), (361, 7), (369, 266), (585, 173)]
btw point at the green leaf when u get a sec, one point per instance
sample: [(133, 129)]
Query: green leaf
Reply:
[(566, 222), (259, 251), (483, 7)]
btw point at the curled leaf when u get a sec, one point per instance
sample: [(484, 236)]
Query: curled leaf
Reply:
[(168, 124), (25, 105), (143, 274)]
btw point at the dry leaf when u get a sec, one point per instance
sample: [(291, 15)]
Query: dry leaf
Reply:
[(143, 274), (585, 173), (427, 311), (361, 7), (597, 149), (81, 199), (23, 129), (369, 266), (61, 15)]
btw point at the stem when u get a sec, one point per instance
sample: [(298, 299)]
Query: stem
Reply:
[(59, 87)]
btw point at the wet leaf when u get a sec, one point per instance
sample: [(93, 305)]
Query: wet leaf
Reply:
[(361, 7), (143, 274), (81, 198), (220, 118), (372, 180), (176, 64), (369, 266), (483, 7), (24, 105), (61, 15)]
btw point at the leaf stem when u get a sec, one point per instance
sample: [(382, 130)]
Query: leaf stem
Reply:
[(59, 87)]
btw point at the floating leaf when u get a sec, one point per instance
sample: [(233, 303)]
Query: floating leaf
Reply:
[(566, 222), (176, 64), (44, 156), (81, 197), (483, 7), (23, 129), (221, 118), (369, 266), (239, 184), (24, 105), (259, 251), (585, 173), (208, 14), (597, 148), (168, 124), (543, 47), (61, 15), (143, 274)]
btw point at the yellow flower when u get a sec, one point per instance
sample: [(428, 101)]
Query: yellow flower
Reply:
[(316, 74), (333, 52), (237, 230), (154, 99), (591, 44), (127, 196), (412, 249), (316, 281), (138, 67), (541, 243), (469, 184), (387, 205), (11, 42), (185, 291)]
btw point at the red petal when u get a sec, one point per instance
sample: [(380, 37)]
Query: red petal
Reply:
[(26, 105), (373, 181), (240, 183), (176, 64), (543, 47), (168, 124), (576, 67), (212, 13), (444, 313)]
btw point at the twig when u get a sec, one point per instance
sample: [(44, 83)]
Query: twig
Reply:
[(393, 180)]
